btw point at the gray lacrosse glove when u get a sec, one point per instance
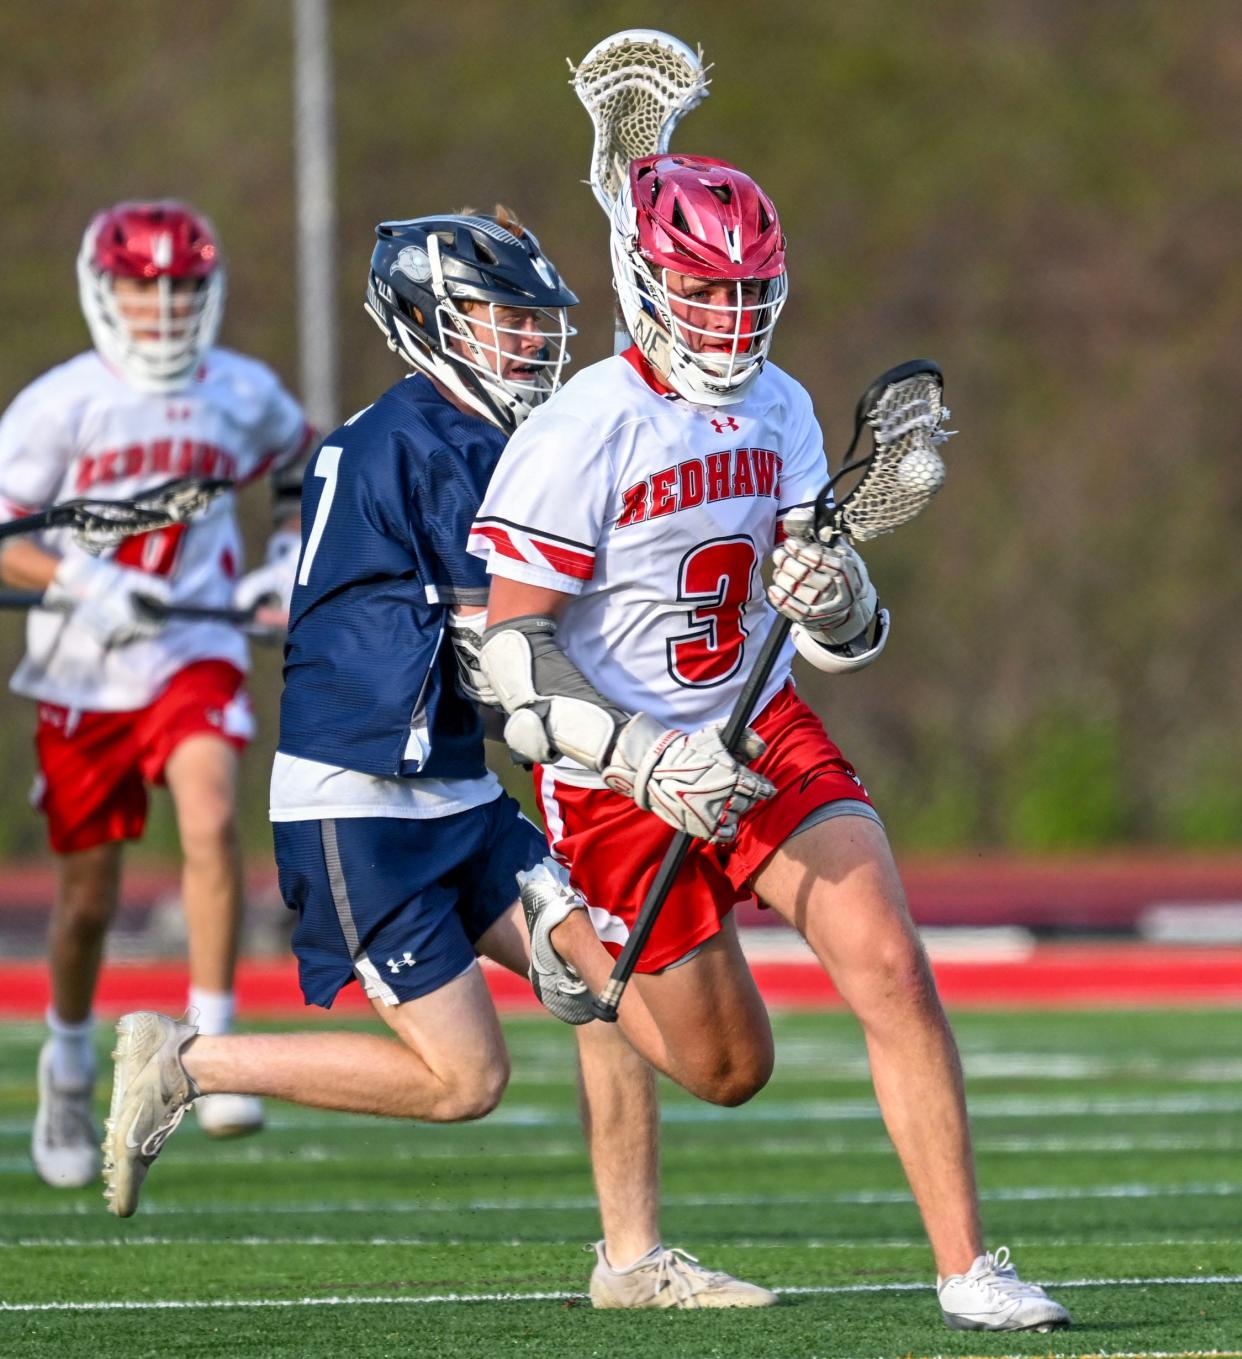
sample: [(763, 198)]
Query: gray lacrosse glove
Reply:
[(465, 634), (823, 586), (272, 583), (104, 599), (688, 779)]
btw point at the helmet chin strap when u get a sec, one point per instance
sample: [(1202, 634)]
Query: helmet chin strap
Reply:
[(459, 380)]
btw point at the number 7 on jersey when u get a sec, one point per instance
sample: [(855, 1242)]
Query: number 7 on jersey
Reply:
[(325, 467)]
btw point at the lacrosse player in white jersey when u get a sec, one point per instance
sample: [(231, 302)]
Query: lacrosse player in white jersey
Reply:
[(125, 701), (625, 529)]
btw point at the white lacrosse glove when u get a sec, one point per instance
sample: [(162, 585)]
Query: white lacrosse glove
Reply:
[(688, 779), (272, 583), (465, 632), (105, 599), (824, 586)]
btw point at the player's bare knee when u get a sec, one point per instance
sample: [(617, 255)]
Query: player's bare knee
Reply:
[(474, 1093), (83, 914), (736, 1077), (87, 898), (208, 828), (898, 981)]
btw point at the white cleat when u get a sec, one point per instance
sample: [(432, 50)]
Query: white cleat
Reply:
[(991, 1297), (547, 898), (65, 1144), (150, 1093), (668, 1277), (229, 1115)]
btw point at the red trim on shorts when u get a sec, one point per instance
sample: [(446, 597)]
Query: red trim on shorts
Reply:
[(95, 766), (613, 849)]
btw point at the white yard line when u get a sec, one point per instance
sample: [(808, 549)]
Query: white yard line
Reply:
[(771, 1111), (811, 1142), (1024, 1194), (818, 1290)]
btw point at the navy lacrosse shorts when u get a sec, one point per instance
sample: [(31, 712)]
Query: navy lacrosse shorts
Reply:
[(395, 902)]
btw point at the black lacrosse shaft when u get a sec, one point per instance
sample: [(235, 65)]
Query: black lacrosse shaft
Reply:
[(32, 599), (32, 523), (604, 1006)]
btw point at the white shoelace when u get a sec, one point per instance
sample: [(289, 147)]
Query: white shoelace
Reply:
[(1001, 1278), (154, 1141), (680, 1271)]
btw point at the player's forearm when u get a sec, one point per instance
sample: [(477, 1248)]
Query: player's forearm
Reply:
[(27, 567), (509, 599)]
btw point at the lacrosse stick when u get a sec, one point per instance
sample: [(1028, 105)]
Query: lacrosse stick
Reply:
[(100, 524), (895, 481), (246, 619), (636, 86)]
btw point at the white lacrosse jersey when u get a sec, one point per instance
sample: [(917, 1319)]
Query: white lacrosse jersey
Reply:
[(657, 515), (82, 430)]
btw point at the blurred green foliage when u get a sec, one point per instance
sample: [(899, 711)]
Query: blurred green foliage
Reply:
[(1042, 195)]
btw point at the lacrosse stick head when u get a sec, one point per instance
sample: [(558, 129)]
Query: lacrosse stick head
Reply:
[(98, 525), (904, 412), (180, 500), (636, 85)]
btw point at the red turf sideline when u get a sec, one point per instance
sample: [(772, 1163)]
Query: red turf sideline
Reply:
[(1051, 975)]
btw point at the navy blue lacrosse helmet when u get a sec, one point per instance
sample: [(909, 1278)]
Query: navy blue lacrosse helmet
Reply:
[(473, 302)]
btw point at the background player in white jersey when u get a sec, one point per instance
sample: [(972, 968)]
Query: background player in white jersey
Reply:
[(396, 846), (123, 701), (624, 530)]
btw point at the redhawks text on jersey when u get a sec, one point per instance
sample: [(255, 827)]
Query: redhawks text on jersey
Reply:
[(656, 516), (82, 430)]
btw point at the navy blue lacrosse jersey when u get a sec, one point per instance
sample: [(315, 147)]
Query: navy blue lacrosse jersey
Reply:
[(387, 505)]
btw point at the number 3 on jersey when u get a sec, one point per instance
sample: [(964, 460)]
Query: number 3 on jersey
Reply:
[(325, 467), (715, 580)]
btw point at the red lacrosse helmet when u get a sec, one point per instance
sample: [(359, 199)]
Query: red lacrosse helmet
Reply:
[(155, 327), (701, 217)]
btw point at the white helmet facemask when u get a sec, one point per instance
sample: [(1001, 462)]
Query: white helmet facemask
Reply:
[(714, 377), (478, 341), (155, 338)]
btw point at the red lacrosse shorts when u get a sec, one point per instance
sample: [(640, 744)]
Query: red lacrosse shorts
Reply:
[(94, 767), (613, 849)]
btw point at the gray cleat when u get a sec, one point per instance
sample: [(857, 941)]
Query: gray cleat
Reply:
[(151, 1092), (547, 898), (671, 1278)]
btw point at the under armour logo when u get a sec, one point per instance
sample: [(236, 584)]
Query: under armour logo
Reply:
[(727, 423), (407, 960)]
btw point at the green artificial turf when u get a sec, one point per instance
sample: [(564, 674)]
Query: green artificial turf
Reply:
[(1110, 1161)]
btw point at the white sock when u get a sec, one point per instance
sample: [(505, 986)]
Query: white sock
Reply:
[(73, 1051), (212, 1011)]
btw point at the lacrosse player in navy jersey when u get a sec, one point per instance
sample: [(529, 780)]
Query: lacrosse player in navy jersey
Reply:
[(396, 846)]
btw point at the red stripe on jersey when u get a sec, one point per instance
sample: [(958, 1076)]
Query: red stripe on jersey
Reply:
[(279, 457), (634, 357), (10, 509), (565, 560), (500, 540)]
